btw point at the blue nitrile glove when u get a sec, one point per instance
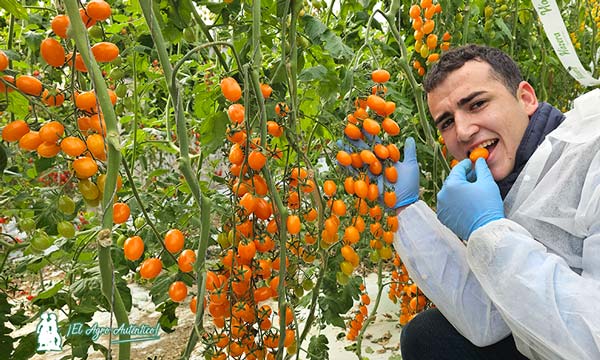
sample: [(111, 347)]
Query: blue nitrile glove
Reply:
[(465, 206), (407, 185)]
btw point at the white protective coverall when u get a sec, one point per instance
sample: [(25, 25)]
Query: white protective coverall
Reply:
[(537, 272)]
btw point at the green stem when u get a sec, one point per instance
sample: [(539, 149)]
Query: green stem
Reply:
[(209, 37), (513, 40), (11, 35), (466, 18), (199, 268), (315, 297), (10, 247), (184, 157), (79, 34), (543, 55), (329, 12), (135, 111), (373, 314)]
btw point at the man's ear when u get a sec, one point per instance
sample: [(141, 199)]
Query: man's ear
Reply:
[(526, 96)]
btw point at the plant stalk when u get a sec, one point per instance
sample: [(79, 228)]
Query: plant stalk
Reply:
[(108, 287)]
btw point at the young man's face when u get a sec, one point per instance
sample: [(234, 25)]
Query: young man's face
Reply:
[(471, 109)]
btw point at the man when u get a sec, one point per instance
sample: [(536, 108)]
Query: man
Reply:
[(527, 283)]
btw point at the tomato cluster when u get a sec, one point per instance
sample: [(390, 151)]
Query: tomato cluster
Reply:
[(403, 289), (426, 41), (248, 273), (357, 322), (83, 142), (370, 124), (152, 266)]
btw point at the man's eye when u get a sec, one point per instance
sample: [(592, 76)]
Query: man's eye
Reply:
[(477, 104), (445, 124)]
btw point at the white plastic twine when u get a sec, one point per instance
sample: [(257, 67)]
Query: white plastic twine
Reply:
[(557, 33)]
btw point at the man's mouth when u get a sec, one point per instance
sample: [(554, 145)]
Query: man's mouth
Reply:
[(490, 145)]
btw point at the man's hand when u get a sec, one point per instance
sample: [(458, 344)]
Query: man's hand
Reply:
[(465, 206), (406, 187)]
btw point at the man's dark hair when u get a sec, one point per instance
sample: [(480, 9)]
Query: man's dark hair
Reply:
[(503, 67)]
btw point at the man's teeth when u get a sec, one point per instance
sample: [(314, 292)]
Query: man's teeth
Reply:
[(486, 144)]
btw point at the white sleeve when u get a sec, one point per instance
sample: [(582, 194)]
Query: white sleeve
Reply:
[(549, 307), (436, 261)]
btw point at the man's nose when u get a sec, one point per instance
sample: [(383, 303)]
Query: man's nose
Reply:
[(465, 129)]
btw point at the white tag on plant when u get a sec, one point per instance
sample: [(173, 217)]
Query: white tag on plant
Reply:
[(557, 33)]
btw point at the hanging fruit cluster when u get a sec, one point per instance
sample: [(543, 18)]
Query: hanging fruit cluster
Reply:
[(370, 152), (151, 266), (248, 273), (83, 141), (426, 40), (356, 323), (412, 300)]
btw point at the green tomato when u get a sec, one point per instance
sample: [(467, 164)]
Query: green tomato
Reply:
[(342, 278), (96, 32), (121, 90), (223, 240), (303, 42), (385, 253), (374, 256), (66, 205), (121, 240), (346, 268), (66, 229), (292, 348), (189, 35), (40, 241), (117, 61), (307, 284), (298, 291), (27, 225), (88, 190), (139, 222), (116, 74)]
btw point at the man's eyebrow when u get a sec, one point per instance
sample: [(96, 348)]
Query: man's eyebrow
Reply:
[(460, 103), (469, 97)]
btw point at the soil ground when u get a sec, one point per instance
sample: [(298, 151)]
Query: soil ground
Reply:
[(381, 340)]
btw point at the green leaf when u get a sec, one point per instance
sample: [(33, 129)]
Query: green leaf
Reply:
[(317, 348), (18, 104), (168, 319), (79, 343), (314, 73), (26, 347), (125, 293), (502, 25), (212, 131), (13, 7), (314, 28), (3, 158), (51, 292), (319, 33), (336, 46), (160, 288)]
